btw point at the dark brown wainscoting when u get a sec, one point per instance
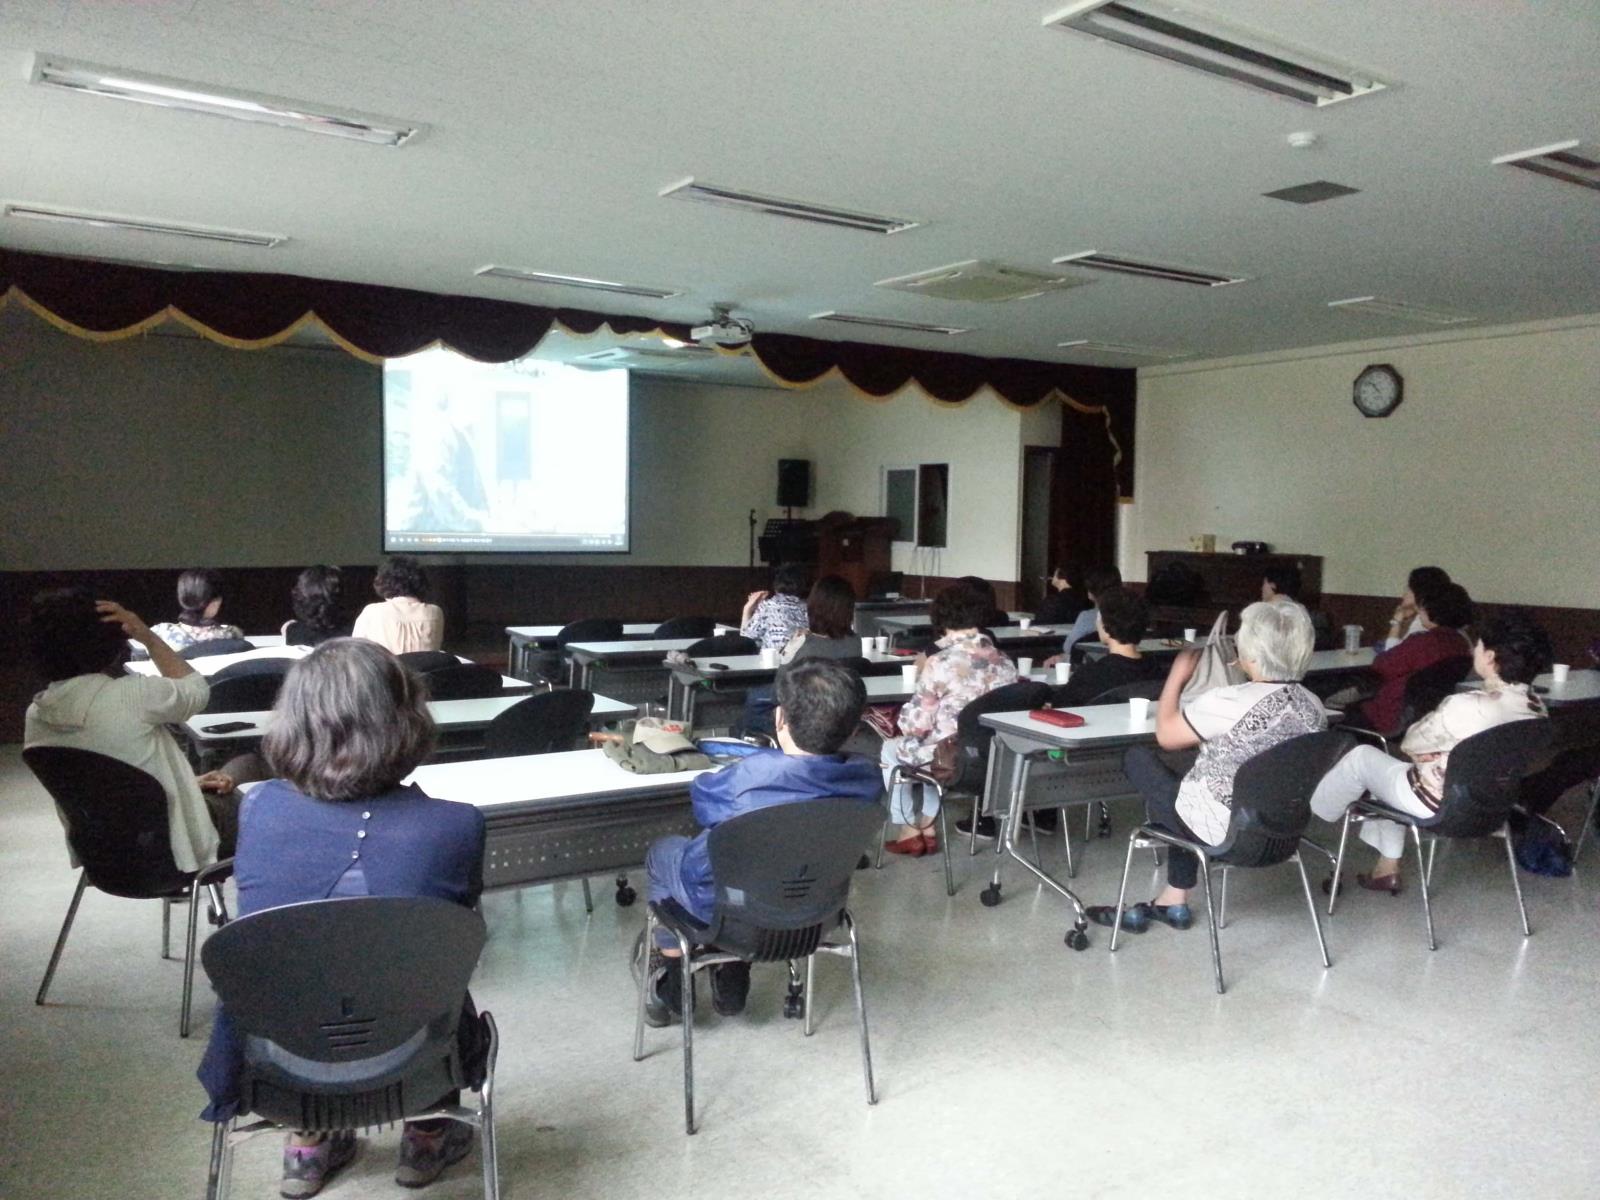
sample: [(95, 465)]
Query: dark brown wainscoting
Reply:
[(1006, 591)]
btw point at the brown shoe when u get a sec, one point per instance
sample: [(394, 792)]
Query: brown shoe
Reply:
[(1373, 883)]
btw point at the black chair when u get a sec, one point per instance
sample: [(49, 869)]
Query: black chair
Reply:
[(724, 645), (783, 879), (248, 686), (550, 666), (541, 724), (1480, 789), (424, 661), (1139, 689), (1271, 808), (1425, 690), (856, 663), (973, 739), (217, 646), (350, 1015), (463, 681), (117, 826), (686, 627)]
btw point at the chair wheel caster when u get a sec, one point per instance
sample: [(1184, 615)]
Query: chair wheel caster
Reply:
[(1077, 939), (1105, 822), (794, 1004), (990, 896), (626, 896), (864, 863)]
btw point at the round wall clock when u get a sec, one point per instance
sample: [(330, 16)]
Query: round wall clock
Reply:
[(1377, 390)]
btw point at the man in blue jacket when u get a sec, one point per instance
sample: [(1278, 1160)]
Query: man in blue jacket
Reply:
[(819, 705)]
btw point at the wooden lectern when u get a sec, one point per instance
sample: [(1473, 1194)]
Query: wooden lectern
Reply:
[(854, 548)]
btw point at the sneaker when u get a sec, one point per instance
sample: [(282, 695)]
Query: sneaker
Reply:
[(663, 992), (307, 1168), (730, 988), (425, 1153), (988, 827)]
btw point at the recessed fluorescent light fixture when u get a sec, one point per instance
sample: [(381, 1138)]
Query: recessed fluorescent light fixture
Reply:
[(1122, 264), (1570, 162), (839, 318), (1201, 41), (798, 210), (1401, 310), (50, 70), (1120, 349), (575, 281), (205, 233)]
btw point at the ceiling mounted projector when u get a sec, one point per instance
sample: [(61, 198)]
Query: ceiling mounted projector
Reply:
[(724, 329)]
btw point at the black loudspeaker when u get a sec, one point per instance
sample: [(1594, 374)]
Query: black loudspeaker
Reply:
[(794, 482)]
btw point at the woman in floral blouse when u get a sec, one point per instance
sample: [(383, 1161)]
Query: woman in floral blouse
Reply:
[(772, 618), (966, 666)]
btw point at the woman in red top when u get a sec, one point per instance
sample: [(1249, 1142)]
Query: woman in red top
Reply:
[(1444, 613)]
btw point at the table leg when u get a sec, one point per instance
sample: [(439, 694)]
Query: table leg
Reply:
[(1008, 839)]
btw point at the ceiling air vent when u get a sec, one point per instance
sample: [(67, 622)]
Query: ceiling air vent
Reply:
[(646, 357), (575, 281), (1570, 162), (203, 233), (1200, 41), (1399, 309), (1122, 264), (840, 318), (1119, 349), (986, 282), (798, 210)]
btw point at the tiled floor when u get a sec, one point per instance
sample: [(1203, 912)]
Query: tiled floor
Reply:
[(1008, 1066)]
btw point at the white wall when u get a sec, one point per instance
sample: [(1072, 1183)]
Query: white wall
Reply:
[(164, 451), (1490, 467)]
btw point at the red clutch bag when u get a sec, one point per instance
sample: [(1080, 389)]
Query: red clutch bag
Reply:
[(1056, 716)]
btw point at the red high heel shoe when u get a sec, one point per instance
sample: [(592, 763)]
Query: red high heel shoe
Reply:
[(911, 846)]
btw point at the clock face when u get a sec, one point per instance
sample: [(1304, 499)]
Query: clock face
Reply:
[(1377, 390)]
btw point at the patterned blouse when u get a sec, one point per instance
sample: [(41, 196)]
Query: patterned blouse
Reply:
[(775, 620), (180, 636), (964, 668)]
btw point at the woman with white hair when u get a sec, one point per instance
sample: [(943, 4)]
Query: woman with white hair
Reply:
[(1230, 725)]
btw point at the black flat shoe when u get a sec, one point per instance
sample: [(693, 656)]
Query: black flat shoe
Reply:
[(1135, 917), (1372, 883)]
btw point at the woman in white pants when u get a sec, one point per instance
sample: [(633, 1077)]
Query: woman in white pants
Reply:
[(1509, 653)]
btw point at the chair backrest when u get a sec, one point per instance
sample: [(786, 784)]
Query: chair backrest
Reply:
[(216, 646), (853, 662), (425, 661), (116, 819), (347, 1009), (1272, 798), (1482, 777), (1428, 688), (248, 686), (974, 737), (726, 645), (590, 629), (463, 681), (783, 874), (541, 724), (686, 627), (1147, 689)]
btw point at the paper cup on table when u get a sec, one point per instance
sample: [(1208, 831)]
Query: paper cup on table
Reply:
[(880, 644), (1352, 638), (1190, 634), (1024, 622), (1138, 710), (1063, 672), (1024, 667), (908, 675), (1558, 672), (769, 658)]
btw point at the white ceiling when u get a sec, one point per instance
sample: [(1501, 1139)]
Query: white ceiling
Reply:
[(553, 126)]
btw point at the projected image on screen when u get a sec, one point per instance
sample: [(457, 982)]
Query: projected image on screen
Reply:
[(528, 455)]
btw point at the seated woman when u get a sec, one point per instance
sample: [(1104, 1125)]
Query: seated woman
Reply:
[(772, 618), (1083, 628), (1121, 625), (199, 602), (1283, 582), (315, 601), (402, 620), (1406, 620), (1444, 613), (830, 621), (966, 665), (351, 722), (996, 617), (1230, 725), (79, 646), (1511, 651), (1063, 600)]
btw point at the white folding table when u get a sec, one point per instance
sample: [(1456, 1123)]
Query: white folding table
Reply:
[(524, 640)]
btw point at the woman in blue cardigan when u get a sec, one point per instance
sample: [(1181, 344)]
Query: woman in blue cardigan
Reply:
[(350, 723)]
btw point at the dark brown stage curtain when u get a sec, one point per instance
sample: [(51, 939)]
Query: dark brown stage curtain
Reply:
[(1093, 471), (105, 301)]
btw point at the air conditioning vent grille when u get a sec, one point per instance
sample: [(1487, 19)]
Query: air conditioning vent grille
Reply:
[(1121, 349), (797, 210), (523, 275), (1400, 310), (840, 318), (1122, 264), (1570, 162), (984, 282)]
